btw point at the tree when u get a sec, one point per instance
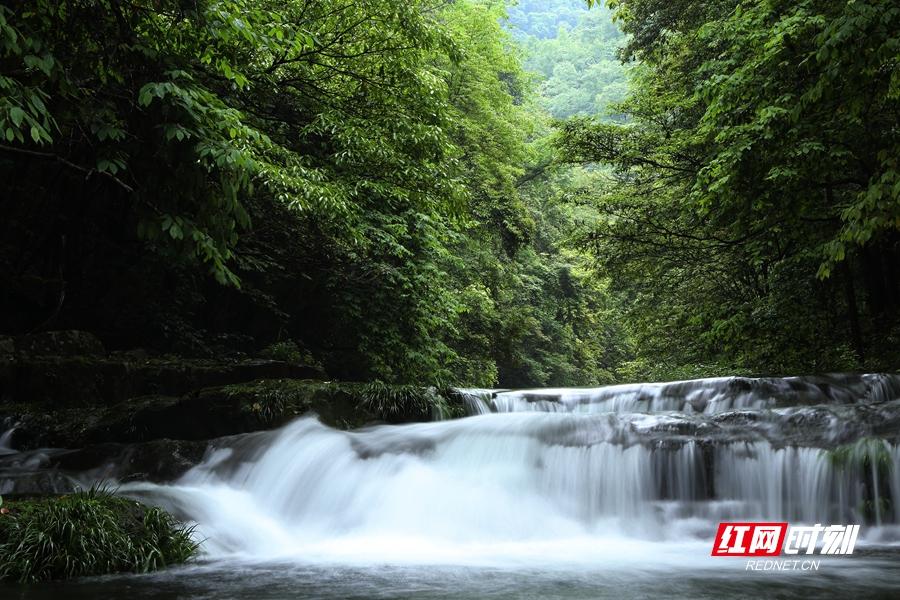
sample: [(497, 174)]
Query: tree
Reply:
[(754, 212), (351, 176)]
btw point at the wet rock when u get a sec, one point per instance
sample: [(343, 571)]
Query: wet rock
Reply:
[(41, 426), (738, 417), (529, 397), (36, 483), (886, 420), (52, 471), (158, 460), (228, 410), (128, 421), (59, 343), (338, 404), (198, 415), (740, 384)]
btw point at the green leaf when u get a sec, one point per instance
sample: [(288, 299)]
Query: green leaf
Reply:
[(17, 115)]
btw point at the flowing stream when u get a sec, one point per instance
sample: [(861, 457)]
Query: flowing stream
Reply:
[(564, 493)]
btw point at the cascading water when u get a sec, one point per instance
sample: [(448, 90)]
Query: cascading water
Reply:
[(6, 440), (555, 474), (708, 396)]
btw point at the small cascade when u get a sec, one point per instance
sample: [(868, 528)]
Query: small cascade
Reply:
[(6, 441), (547, 471), (707, 396), (521, 477), (895, 481), (477, 400)]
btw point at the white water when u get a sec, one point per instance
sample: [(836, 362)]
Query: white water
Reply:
[(708, 396), (5, 440), (501, 489)]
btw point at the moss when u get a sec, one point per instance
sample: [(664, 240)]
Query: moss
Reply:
[(870, 459), (862, 454), (345, 405), (87, 533), (213, 412)]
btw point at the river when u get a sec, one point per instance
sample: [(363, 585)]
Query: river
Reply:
[(613, 492)]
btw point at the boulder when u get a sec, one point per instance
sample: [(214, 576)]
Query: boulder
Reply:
[(158, 460)]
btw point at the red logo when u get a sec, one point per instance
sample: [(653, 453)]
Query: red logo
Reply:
[(749, 539)]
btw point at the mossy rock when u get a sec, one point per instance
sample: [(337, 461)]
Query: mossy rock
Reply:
[(69, 381), (201, 415), (41, 426), (88, 533), (77, 381), (219, 411), (156, 460)]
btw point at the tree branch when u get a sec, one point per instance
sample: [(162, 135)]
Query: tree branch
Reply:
[(68, 163)]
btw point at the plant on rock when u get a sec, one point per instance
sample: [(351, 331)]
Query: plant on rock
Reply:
[(88, 533)]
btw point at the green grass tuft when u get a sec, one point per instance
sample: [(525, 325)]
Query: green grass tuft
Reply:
[(88, 533), (401, 403)]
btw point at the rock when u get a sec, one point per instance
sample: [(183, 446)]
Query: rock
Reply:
[(69, 381), (231, 409), (158, 460), (73, 381), (181, 376), (85, 411), (737, 417), (135, 355), (59, 343), (40, 426), (36, 483), (7, 347)]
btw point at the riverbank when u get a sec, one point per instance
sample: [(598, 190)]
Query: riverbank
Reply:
[(131, 416)]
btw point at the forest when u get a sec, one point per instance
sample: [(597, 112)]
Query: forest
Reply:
[(473, 193), (471, 299)]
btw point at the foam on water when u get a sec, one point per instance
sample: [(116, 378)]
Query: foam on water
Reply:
[(6, 440), (709, 396), (505, 489)]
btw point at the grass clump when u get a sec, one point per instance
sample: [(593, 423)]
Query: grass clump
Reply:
[(401, 403), (88, 533)]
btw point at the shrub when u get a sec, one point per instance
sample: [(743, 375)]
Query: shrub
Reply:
[(288, 351), (88, 533)]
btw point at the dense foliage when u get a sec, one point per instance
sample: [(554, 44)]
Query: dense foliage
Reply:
[(574, 51), (87, 533), (367, 184), (375, 187), (753, 221)]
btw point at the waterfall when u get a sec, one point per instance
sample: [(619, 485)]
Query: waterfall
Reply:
[(549, 475), (552, 469), (709, 396), (895, 482), (6, 441), (477, 400)]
